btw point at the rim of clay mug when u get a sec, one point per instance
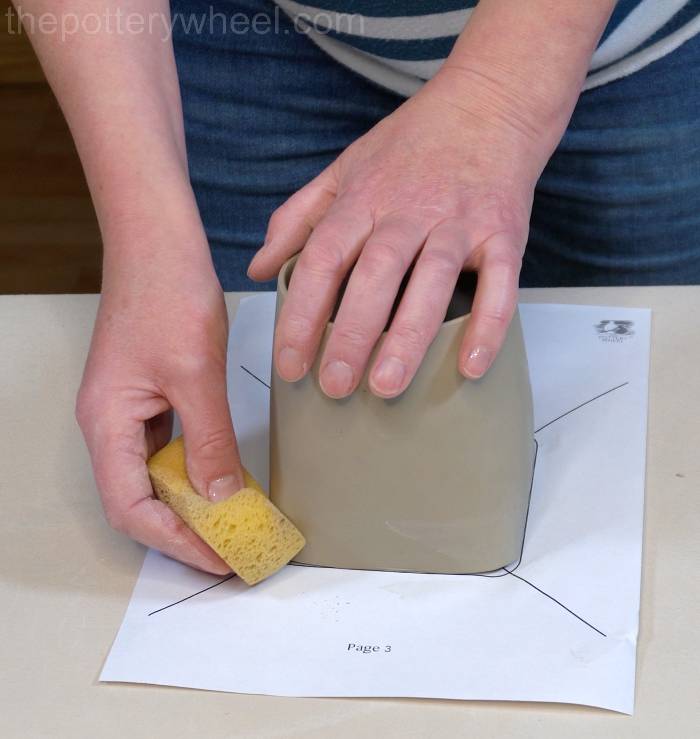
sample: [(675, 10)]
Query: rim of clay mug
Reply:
[(286, 273)]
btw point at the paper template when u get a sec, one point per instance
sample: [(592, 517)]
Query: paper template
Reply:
[(558, 625)]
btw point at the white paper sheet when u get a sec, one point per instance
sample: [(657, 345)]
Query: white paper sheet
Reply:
[(560, 625)]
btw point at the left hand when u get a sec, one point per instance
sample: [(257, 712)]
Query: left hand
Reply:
[(448, 182)]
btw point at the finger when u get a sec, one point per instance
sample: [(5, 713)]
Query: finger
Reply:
[(119, 454), (422, 309), (292, 223), (367, 303), (496, 296), (324, 262), (211, 452)]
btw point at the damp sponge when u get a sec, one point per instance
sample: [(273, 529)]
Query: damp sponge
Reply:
[(246, 530)]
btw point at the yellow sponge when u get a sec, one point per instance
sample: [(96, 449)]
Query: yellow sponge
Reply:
[(246, 530)]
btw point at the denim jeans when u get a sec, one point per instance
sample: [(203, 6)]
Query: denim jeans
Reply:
[(266, 110)]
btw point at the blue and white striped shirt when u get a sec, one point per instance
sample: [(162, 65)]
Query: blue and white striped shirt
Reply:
[(399, 44)]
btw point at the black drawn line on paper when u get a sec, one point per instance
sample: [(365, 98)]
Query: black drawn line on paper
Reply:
[(563, 415), (262, 382), (504, 570), (558, 602), (199, 592)]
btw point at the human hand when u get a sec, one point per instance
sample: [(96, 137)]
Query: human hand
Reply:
[(447, 184), (159, 343)]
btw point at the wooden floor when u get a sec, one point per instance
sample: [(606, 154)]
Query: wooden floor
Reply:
[(49, 240)]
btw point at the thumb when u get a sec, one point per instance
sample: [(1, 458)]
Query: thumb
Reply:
[(211, 452)]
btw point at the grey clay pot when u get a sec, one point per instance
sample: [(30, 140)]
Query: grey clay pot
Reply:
[(436, 480)]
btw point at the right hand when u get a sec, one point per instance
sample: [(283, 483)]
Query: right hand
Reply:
[(159, 343)]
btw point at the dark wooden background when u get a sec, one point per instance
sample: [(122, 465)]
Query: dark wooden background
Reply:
[(49, 239)]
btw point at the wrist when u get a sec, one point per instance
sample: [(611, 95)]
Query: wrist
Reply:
[(522, 65), (536, 108), (162, 262), (515, 140), (163, 251), (158, 216)]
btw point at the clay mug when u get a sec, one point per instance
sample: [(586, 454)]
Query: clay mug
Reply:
[(435, 480)]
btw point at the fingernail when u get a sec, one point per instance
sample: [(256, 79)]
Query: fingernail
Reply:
[(478, 362), (222, 488), (337, 379), (388, 377), (290, 364)]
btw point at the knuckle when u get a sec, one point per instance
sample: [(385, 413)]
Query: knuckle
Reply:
[(277, 218), (87, 404), (212, 444), (297, 328), (194, 364), (205, 315), (383, 255), (499, 315), (503, 259), (352, 334), (410, 335), (116, 518), (505, 263), (444, 263), (508, 252), (284, 216), (503, 207), (82, 410), (325, 257)]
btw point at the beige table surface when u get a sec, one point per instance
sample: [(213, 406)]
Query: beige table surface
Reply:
[(66, 577)]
